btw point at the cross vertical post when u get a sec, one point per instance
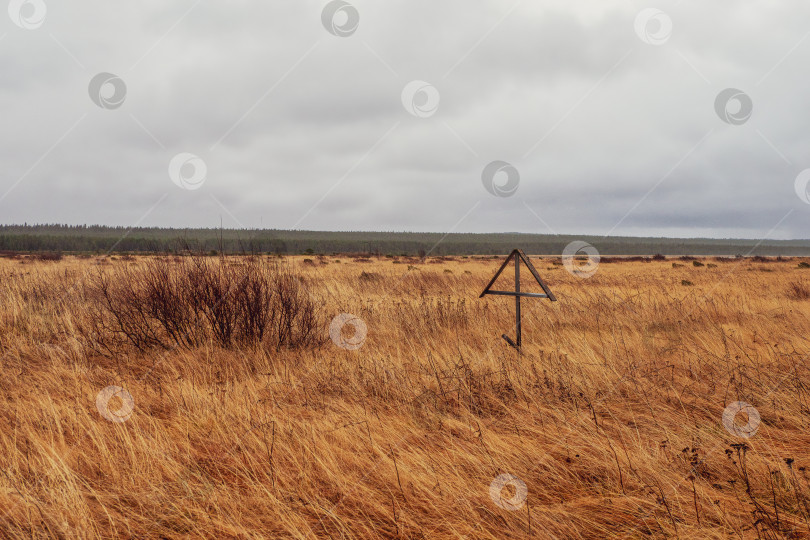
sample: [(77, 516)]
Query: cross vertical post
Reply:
[(518, 341)]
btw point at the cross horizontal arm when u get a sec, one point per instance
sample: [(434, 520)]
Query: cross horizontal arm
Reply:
[(512, 293)]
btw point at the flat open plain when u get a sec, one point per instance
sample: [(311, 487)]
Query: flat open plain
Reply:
[(612, 417)]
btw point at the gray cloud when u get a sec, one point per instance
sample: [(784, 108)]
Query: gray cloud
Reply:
[(299, 127)]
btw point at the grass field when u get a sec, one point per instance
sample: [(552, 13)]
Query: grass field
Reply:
[(612, 418)]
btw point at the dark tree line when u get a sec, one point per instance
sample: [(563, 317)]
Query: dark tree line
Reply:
[(101, 239)]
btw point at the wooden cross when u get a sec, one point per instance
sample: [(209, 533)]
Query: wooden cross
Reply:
[(518, 256)]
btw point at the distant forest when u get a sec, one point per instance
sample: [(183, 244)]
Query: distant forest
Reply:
[(101, 239)]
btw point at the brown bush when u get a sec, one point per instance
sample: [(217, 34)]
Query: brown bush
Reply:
[(48, 256), (798, 291), (370, 276), (609, 260), (199, 300)]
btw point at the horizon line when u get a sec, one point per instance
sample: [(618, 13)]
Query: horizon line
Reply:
[(339, 231)]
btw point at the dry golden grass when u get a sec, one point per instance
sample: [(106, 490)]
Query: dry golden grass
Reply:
[(611, 417)]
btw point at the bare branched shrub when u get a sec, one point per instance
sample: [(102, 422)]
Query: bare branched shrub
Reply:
[(196, 300)]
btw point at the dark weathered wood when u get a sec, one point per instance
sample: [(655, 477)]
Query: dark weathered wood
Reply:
[(517, 302), (532, 269), (498, 273), (518, 256), (517, 253)]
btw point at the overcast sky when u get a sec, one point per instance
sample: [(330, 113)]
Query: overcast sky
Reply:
[(604, 115)]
